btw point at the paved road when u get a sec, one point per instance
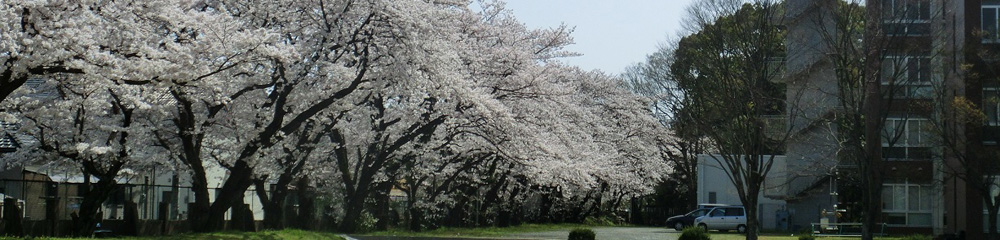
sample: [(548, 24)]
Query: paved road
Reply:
[(622, 233)]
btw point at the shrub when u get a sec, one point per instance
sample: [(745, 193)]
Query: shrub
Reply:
[(917, 237), (694, 233), (581, 234), (367, 222), (806, 234)]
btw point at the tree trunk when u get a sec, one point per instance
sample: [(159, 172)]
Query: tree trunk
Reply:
[(130, 227), (459, 212), (91, 204), (492, 200), (509, 213), (503, 218), (597, 209), (992, 210), (352, 213), (191, 156), (636, 206), (751, 207), (274, 206), (232, 192), (197, 210), (383, 209), (544, 209), (52, 215), (329, 222), (274, 212), (270, 204), (13, 225), (416, 218), (871, 167), (205, 215), (307, 209), (871, 202), (12, 218)]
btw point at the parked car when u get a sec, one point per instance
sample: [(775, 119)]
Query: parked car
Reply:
[(724, 219), (710, 206), (680, 222)]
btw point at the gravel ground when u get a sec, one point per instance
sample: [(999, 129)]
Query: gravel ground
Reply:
[(612, 233), (623, 233)]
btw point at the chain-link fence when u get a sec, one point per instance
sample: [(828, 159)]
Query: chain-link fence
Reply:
[(48, 207), (155, 202)]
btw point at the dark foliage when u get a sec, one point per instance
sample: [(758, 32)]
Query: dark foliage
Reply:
[(581, 234)]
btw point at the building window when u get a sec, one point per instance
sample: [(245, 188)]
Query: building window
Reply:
[(906, 17), (711, 197), (991, 106), (907, 77), (991, 23), (906, 139), (907, 204)]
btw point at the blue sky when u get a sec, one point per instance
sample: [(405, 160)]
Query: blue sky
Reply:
[(611, 34)]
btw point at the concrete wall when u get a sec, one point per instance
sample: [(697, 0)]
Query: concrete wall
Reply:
[(813, 99), (713, 180)]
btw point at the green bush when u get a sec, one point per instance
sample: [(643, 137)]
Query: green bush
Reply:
[(917, 237), (581, 234), (694, 233), (367, 222)]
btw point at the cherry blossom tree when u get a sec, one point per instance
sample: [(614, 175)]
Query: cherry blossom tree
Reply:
[(100, 129), (149, 45), (455, 106), (200, 56), (291, 164), (39, 38)]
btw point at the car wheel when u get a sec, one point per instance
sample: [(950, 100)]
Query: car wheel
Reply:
[(679, 226), (703, 227), (741, 228)]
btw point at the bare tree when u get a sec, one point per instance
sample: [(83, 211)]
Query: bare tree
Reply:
[(882, 75), (681, 148), (965, 126)]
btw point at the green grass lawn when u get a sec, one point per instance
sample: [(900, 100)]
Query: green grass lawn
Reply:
[(481, 232), (290, 234), (735, 236), (262, 235), (496, 232)]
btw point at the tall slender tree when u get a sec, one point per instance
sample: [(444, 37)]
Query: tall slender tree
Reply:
[(728, 71)]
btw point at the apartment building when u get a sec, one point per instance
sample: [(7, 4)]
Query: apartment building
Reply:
[(932, 52)]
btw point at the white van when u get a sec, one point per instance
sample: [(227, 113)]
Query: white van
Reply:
[(724, 219)]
